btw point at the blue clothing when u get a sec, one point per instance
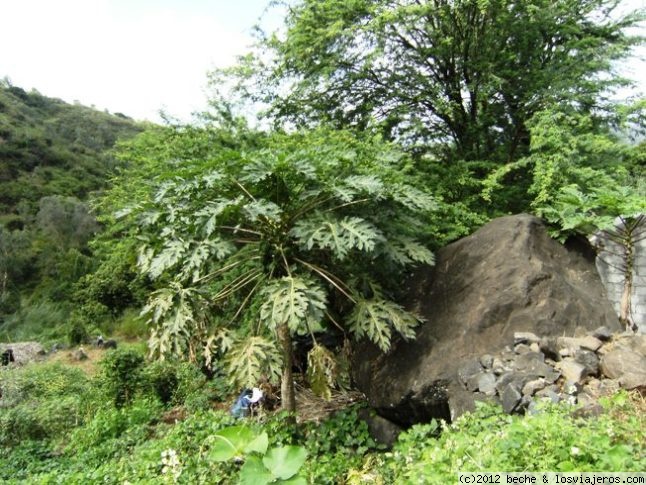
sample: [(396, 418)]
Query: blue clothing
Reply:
[(240, 408)]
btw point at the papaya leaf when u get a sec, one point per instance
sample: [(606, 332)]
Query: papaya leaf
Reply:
[(293, 300)]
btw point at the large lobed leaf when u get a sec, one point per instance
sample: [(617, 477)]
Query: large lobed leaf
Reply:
[(296, 301), (338, 235), (250, 359), (376, 318)]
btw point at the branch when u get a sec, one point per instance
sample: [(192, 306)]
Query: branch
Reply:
[(322, 272), (347, 204), (244, 302), (244, 190)]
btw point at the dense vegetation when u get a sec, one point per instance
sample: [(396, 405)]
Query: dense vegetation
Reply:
[(52, 157), (388, 128), (60, 426)]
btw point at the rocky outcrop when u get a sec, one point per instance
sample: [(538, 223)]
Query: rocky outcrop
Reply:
[(625, 360), (578, 370), (24, 352), (508, 277)]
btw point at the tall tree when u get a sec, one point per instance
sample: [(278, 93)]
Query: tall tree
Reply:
[(456, 78)]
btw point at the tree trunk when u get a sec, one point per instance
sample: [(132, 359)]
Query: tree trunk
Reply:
[(626, 297), (287, 394)]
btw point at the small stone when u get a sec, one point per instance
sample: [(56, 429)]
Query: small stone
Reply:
[(551, 376), (522, 349), (534, 347), (609, 386), (487, 361), (550, 348), (498, 367), (79, 354), (589, 360), (471, 368), (549, 393), (565, 352), (524, 403), (472, 383), (487, 384), (567, 343), (572, 371), (571, 400), (602, 333), (590, 343), (627, 366), (585, 400), (592, 387), (508, 354), (590, 409), (518, 379), (525, 338), (530, 388), (604, 349), (529, 360), (380, 429), (510, 397)]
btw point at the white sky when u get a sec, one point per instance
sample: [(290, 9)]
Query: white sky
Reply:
[(128, 56), (134, 56)]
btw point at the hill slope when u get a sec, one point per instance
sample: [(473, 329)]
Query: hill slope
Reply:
[(52, 156), (49, 147)]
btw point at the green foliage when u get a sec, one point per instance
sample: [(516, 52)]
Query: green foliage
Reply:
[(252, 358), (40, 401), (575, 156), (457, 83), (336, 445), (102, 432), (52, 156), (122, 375), (262, 465), (270, 234), (41, 317), (322, 371), (299, 302), (489, 440), (179, 384), (53, 148)]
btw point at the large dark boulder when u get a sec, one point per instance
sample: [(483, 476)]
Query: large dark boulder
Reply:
[(509, 276)]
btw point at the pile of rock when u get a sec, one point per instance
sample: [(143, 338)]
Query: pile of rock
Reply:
[(574, 369), (24, 352)]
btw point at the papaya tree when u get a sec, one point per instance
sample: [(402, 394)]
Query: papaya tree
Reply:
[(292, 234)]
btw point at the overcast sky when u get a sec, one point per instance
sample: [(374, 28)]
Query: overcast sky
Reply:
[(133, 56), (129, 56)]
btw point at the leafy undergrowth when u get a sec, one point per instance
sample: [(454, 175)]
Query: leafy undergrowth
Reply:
[(552, 439), (141, 423)]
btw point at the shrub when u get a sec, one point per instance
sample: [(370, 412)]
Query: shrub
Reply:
[(121, 376), (36, 319), (336, 445), (41, 401), (489, 440), (130, 325), (163, 380)]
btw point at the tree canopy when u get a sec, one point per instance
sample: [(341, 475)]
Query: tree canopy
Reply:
[(467, 74), (296, 234)]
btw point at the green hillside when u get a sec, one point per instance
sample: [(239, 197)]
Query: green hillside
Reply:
[(49, 147), (53, 155)]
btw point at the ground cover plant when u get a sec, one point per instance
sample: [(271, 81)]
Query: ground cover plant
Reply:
[(59, 426)]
